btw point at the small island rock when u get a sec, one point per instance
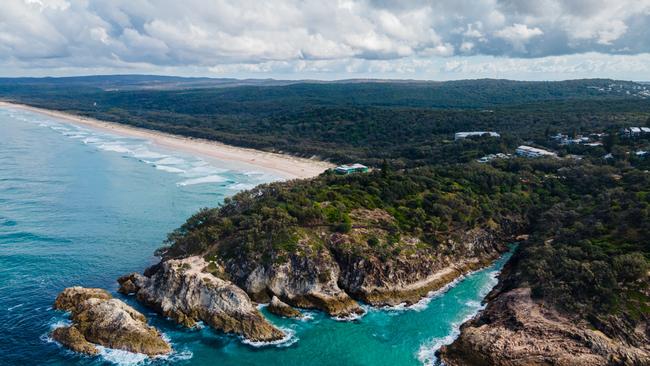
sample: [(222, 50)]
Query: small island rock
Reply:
[(99, 319)]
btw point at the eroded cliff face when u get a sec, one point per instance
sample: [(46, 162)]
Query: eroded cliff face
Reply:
[(185, 291), (306, 279), (99, 319), (408, 276), (515, 330)]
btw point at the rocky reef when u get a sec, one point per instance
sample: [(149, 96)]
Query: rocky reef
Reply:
[(99, 319), (516, 330), (186, 291)]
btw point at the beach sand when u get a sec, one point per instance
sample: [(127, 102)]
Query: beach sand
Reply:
[(285, 166)]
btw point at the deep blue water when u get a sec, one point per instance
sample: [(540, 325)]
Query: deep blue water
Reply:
[(82, 207)]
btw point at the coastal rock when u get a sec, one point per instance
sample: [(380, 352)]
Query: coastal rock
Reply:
[(307, 279), (187, 292), (73, 339), (99, 319), (514, 330), (72, 297), (407, 277), (277, 307)]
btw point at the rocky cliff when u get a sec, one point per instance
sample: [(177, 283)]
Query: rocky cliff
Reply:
[(326, 270), (185, 291), (515, 330), (414, 271), (99, 319)]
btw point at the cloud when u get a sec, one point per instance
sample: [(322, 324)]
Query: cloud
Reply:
[(304, 35), (518, 34)]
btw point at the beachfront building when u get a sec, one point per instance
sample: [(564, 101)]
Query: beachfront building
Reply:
[(464, 135), (349, 169), (533, 152)]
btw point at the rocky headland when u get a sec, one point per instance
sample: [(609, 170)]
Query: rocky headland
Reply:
[(327, 270), (515, 330), (185, 291), (99, 319)]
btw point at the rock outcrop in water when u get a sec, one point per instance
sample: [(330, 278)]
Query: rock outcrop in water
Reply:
[(277, 307), (186, 291), (515, 330), (99, 319)]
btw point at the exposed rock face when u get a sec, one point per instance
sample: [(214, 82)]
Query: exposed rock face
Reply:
[(99, 319), (306, 280), (280, 308), (407, 278), (329, 277), (185, 291), (514, 330)]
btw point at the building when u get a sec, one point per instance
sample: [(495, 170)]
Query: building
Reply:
[(635, 131), (464, 135), (490, 157), (563, 139), (348, 169), (533, 152)]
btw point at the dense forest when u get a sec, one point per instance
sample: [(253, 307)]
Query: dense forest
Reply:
[(587, 254), (408, 123)]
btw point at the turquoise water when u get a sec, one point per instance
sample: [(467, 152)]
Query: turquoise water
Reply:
[(82, 207)]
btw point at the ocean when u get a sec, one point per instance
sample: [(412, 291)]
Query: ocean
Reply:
[(80, 206)]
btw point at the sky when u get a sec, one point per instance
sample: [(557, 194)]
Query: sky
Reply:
[(328, 39)]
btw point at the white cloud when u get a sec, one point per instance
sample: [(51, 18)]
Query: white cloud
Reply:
[(518, 34), (308, 35)]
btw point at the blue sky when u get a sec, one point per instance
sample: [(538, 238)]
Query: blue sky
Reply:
[(334, 39)]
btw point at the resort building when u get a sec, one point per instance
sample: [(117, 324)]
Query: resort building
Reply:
[(464, 135), (533, 152), (348, 169)]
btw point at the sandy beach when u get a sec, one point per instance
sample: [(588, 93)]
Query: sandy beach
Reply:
[(285, 166)]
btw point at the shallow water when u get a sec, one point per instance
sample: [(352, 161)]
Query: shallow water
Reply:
[(82, 207)]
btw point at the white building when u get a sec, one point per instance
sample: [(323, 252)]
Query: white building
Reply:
[(464, 135), (349, 169), (635, 131), (533, 152)]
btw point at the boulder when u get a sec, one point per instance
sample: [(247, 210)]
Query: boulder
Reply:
[(280, 308), (99, 319)]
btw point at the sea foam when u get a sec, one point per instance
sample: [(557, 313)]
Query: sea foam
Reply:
[(208, 179)]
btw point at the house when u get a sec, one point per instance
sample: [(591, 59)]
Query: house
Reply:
[(348, 169), (464, 135), (490, 157), (635, 131), (533, 152)]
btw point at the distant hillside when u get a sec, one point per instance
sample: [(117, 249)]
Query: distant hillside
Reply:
[(407, 122)]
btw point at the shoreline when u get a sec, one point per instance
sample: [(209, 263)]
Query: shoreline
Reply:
[(283, 165)]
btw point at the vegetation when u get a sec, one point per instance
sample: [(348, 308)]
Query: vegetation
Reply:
[(589, 219), (409, 124)]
